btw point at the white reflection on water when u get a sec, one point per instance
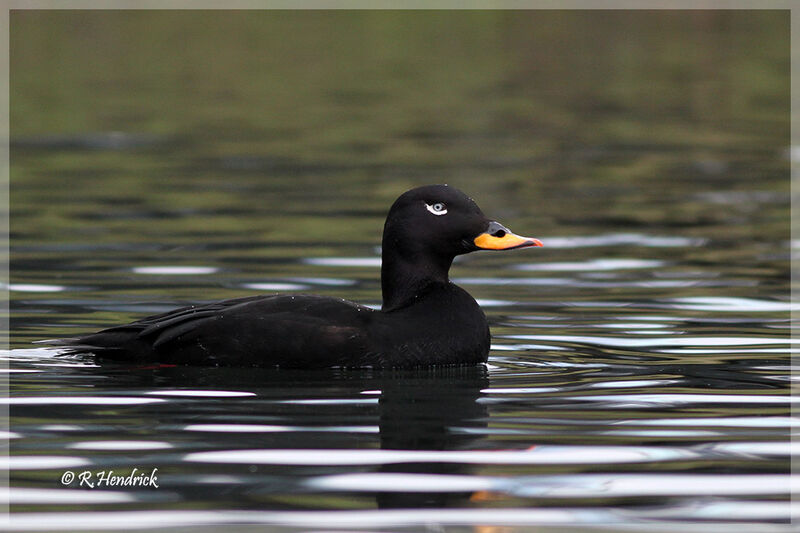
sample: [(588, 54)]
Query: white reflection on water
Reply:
[(719, 303), (784, 448), (35, 287), (617, 239), (42, 357), (483, 302), (238, 428), (630, 326), (343, 261), (397, 482), (580, 518), (754, 512), (329, 401), (545, 454), (664, 433), (591, 265), (266, 428), (729, 350), (645, 400), (565, 486), (202, 393), (736, 421), (110, 445), (522, 347), (594, 485), (520, 390), (175, 270), (40, 462), (123, 520), (78, 400), (633, 383), (621, 342), (275, 286), (22, 496)]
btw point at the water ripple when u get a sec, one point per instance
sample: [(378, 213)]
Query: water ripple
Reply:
[(651, 518), (648, 400), (29, 496), (266, 428), (538, 455), (565, 486), (41, 462), (78, 400), (114, 445), (277, 286), (621, 239), (343, 261), (35, 287), (175, 270), (591, 265), (202, 393), (650, 342), (749, 305)]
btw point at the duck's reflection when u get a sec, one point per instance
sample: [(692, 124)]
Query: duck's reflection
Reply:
[(431, 411), (417, 410)]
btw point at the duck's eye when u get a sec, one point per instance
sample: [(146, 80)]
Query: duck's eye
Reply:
[(437, 209)]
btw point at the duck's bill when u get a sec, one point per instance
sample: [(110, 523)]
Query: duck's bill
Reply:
[(508, 241)]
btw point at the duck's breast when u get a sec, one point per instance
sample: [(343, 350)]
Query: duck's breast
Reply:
[(445, 326)]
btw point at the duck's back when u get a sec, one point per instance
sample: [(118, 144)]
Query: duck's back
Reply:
[(301, 331)]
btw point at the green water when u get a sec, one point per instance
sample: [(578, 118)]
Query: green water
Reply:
[(530, 111)]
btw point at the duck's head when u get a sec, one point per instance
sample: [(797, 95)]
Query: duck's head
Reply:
[(425, 229), (441, 221)]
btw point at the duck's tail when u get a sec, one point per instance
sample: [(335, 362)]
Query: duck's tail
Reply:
[(75, 346)]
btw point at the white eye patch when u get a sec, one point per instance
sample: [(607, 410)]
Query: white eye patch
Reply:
[(437, 209)]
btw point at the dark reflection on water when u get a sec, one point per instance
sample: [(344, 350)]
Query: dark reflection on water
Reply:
[(420, 413), (640, 367)]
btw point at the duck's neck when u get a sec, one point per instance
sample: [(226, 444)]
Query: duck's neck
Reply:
[(404, 277)]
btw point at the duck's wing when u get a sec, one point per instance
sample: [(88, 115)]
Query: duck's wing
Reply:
[(280, 330), (118, 338)]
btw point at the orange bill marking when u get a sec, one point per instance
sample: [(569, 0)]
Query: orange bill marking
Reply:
[(508, 241)]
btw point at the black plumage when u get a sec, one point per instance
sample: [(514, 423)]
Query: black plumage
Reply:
[(425, 320)]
